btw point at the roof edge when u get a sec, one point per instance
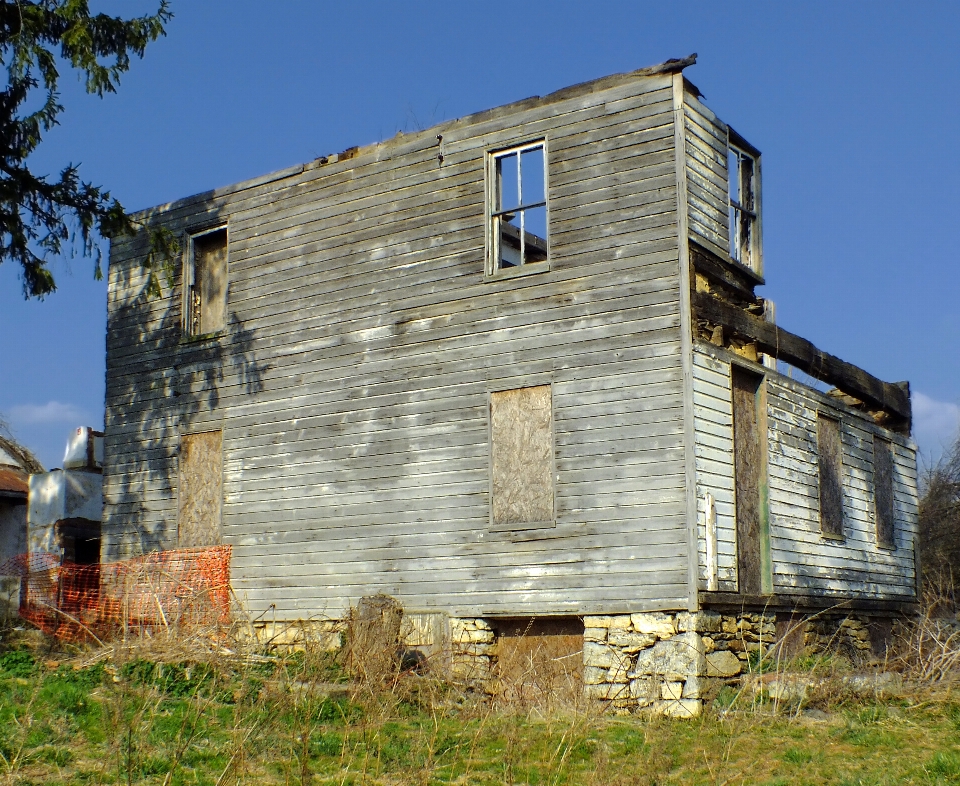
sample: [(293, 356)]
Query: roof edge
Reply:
[(671, 66)]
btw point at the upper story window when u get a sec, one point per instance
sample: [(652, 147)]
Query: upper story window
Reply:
[(205, 283), (743, 167), (517, 208)]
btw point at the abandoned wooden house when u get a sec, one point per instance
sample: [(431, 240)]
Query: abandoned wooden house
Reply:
[(510, 367)]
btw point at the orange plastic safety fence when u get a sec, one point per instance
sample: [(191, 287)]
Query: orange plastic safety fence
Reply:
[(164, 589)]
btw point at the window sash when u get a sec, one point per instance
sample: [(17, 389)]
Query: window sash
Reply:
[(496, 210)]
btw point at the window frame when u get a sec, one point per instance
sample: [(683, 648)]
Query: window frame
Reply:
[(189, 281), (753, 249), (492, 269)]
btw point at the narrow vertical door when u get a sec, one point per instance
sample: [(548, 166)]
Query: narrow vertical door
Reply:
[(749, 468)]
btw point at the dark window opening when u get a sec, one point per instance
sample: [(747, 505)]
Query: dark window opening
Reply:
[(743, 175), (206, 298)]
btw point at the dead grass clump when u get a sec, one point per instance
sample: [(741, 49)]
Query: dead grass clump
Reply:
[(927, 649)]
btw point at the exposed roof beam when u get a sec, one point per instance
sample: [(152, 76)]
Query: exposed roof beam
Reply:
[(772, 340)]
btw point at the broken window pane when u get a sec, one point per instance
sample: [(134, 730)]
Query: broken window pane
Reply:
[(741, 171), (531, 168), (508, 170), (207, 295)]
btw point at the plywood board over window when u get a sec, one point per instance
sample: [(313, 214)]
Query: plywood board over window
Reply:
[(830, 449), (521, 436), (883, 491), (749, 449), (201, 489)]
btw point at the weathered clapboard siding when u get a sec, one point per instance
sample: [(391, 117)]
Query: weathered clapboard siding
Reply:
[(713, 416), (802, 557), (803, 560), (352, 384), (707, 176)]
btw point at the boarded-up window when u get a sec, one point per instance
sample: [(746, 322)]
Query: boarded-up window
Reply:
[(521, 433), (749, 447), (206, 305), (201, 489), (883, 491), (831, 476)]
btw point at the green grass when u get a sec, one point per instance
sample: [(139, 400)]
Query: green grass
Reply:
[(142, 722)]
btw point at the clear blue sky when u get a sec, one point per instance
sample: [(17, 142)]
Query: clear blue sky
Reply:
[(854, 106)]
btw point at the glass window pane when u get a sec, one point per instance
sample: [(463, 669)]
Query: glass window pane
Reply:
[(509, 242), (535, 235), (507, 175), (531, 167)]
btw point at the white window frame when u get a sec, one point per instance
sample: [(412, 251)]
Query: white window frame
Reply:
[(492, 267), (747, 252), (189, 278)]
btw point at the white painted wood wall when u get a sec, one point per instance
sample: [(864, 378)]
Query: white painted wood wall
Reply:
[(803, 560)]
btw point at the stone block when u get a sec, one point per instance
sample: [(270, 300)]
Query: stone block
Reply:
[(683, 708), (599, 655), (723, 663), (620, 667), (644, 689), (597, 622), (728, 625), (699, 622), (631, 642), (593, 675), (676, 658), (671, 691), (594, 634), (473, 636), (605, 691), (621, 622), (692, 688), (709, 645), (661, 625)]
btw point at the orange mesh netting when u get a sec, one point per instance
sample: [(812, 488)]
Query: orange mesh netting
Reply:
[(184, 587)]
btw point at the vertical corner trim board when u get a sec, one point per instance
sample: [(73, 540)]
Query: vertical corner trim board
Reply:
[(521, 451), (200, 495)]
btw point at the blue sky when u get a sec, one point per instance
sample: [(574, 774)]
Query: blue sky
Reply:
[(853, 104)]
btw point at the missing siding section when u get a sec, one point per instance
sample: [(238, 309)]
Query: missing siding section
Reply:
[(883, 491), (201, 490), (521, 435), (748, 449), (830, 449)]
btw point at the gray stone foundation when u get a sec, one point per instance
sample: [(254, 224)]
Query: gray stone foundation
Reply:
[(663, 663)]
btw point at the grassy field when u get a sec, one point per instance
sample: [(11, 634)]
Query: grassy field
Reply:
[(124, 718)]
